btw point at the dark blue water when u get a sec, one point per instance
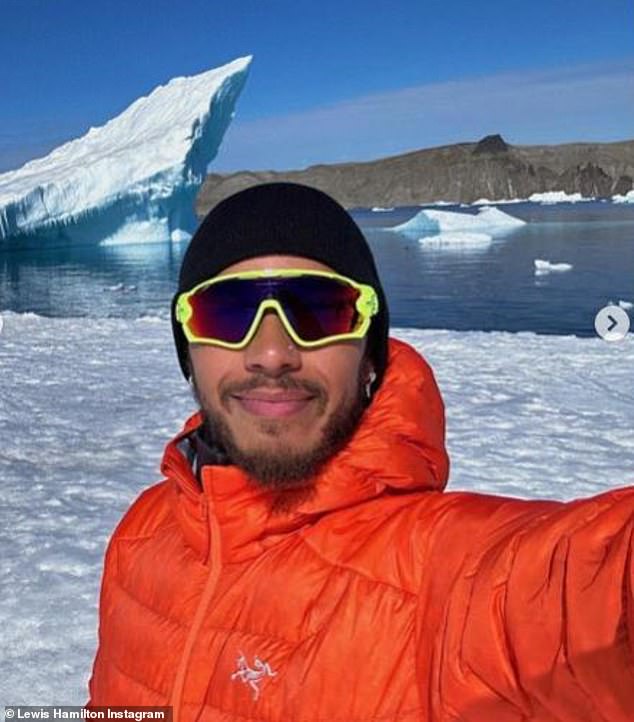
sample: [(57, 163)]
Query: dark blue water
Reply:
[(491, 288)]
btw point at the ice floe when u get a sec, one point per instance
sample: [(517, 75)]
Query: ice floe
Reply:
[(543, 266), (487, 219)]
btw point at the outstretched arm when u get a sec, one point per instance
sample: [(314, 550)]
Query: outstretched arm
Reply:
[(532, 618)]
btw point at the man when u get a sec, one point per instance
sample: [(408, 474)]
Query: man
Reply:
[(300, 562)]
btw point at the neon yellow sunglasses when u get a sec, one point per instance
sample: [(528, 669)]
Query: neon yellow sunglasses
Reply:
[(315, 307)]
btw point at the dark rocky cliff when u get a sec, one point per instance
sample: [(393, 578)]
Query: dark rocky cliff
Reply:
[(460, 173)]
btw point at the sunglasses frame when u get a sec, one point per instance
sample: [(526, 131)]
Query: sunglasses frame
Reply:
[(367, 306)]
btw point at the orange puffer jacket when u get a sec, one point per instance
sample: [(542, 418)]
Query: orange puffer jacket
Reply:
[(380, 598)]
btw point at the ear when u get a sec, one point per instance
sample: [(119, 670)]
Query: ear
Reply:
[(367, 369), (368, 376)]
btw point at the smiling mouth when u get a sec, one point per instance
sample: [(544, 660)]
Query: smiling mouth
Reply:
[(274, 405)]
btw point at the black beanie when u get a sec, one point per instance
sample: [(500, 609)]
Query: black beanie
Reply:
[(282, 219)]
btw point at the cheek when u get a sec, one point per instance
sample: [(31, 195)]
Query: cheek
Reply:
[(210, 365), (340, 369)]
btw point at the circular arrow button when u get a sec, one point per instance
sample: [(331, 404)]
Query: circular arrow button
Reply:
[(612, 323)]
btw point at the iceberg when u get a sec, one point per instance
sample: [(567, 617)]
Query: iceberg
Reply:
[(486, 219), (133, 179), (542, 267)]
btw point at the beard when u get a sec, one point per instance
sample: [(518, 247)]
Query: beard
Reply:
[(284, 468)]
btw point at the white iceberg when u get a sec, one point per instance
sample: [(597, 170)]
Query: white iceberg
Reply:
[(627, 198), (456, 240), (542, 267), (379, 209), (551, 197), (625, 305), (486, 219), (134, 178)]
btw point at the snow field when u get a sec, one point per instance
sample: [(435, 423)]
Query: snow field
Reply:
[(87, 405)]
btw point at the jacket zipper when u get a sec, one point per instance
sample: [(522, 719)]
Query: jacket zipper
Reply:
[(215, 563)]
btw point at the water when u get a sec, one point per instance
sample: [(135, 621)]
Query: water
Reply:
[(492, 288)]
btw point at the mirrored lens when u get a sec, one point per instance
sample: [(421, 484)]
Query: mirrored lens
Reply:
[(316, 306), (225, 310)]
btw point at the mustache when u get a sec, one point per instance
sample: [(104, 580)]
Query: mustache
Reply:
[(283, 383)]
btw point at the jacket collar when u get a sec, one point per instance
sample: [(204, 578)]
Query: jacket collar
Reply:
[(398, 445)]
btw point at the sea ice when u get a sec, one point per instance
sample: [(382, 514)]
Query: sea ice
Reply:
[(542, 266), (491, 220), (625, 305), (501, 201), (134, 178), (83, 422), (551, 197), (627, 198)]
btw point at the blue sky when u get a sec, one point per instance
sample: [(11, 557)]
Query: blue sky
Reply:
[(330, 81)]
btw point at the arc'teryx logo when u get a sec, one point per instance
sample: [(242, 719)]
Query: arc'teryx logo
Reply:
[(252, 675)]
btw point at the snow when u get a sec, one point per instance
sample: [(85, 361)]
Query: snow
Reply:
[(627, 198), (457, 239), (488, 219), (546, 198), (543, 266), (135, 177), (88, 405), (501, 201), (557, 197)]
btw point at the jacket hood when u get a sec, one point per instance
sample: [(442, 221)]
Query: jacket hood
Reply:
[(398, 446)]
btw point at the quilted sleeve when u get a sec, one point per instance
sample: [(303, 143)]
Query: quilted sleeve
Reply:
[(527, 612)]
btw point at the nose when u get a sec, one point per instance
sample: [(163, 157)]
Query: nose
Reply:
[(272, 351)]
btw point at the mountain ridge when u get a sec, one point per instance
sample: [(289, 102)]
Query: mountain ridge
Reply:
[(459, 173)]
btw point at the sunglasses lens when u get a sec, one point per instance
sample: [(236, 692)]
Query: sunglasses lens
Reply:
[(316, 306), (224, 311)]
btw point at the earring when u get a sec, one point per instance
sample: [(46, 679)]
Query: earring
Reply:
[(368, 384)]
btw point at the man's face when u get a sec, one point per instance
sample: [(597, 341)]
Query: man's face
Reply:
[(280, 410)]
